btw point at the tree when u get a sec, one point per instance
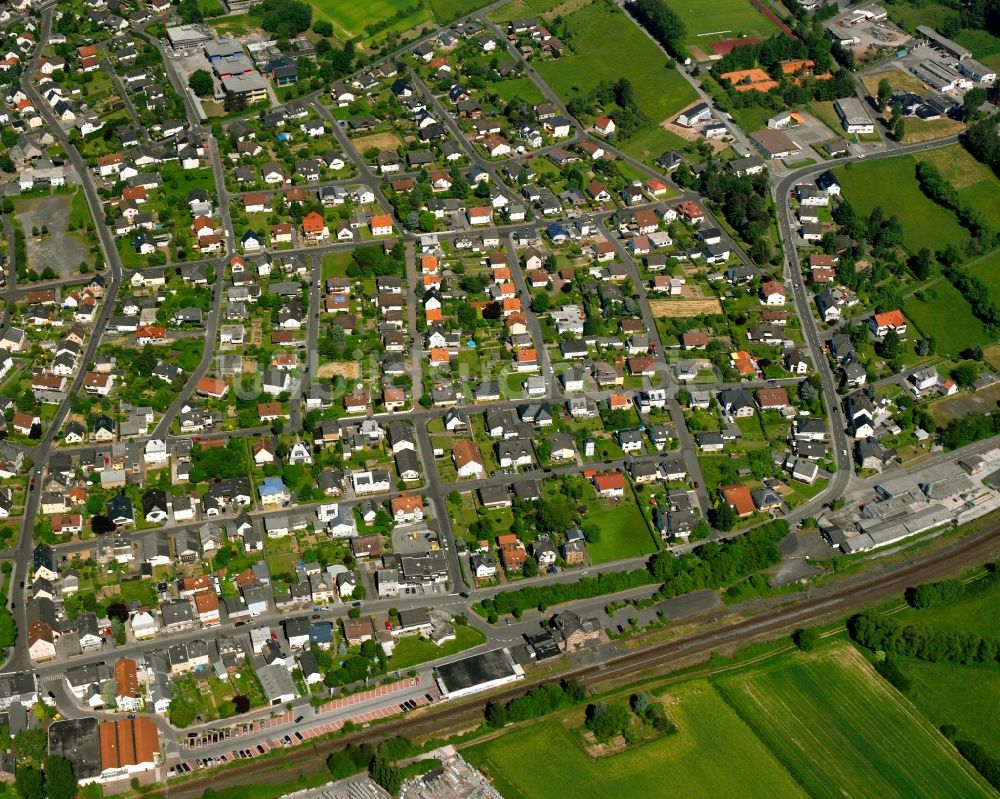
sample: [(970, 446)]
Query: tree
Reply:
[(973, 99), (59, 780), (965, 373), (890, 345), (385, 773), (200, 83), (28, 781), (496, 714), (884, 94), (606, 721), (723, 516), (806, 639)]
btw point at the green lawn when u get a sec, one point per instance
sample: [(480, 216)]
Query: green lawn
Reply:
[(720, 19), (713, 755), (652, 141), (335, 264), (607, 45), (624, 533), (947, 315), (411, 649), (523, 88), (925, 223), (843, 731)]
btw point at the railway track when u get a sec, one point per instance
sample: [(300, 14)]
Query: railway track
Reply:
[(630, 665)]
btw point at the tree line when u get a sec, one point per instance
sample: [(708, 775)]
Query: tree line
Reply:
[(949, 592), (878, 632), (535, 703), (968, 429), (663, 24), (938, 189)]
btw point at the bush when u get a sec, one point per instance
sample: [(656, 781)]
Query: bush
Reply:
[(806, 639)]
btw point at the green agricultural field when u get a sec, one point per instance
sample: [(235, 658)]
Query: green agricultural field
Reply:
[(720, 19), (608, 45), (518, 9), (841, 730), (624, 533), (925, 223), (945, 314), (712, 755)]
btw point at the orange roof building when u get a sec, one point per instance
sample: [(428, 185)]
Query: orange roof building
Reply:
[(738, 498), (212, 387), (313, 224), (407, 505), (132, 744), (609, 482), (126, 678)]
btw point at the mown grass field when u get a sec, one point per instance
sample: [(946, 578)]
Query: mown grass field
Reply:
[(608, 45), (712, 755), (987, 269), (841, 730), (720, 19), (977, 615), (624, 533), (925, 224), (941, 691), (945, 314)]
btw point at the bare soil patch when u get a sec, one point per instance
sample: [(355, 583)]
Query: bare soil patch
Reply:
[(349, 370), (384, 141), (692, 307)]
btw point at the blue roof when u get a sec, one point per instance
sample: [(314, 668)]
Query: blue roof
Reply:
[(272, 485)]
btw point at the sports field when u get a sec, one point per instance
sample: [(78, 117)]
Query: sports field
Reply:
[(713, 755), (841, 730), (608, 45), (945, 314), (925, 223), (720, 19)]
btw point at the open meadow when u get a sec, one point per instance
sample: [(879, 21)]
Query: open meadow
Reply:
[(608, 45), (712, 755), (841, 730), (925, 223)]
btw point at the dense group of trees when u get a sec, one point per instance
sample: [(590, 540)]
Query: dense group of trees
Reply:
[(970, 428), (976, 292), (878, 632), (982, 139), (948, 592), (285, 18), (54, 781), (743, 200), (379, 763), (718, 563), (663, 24), (373, 261), (535, 703), (981, 760)]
